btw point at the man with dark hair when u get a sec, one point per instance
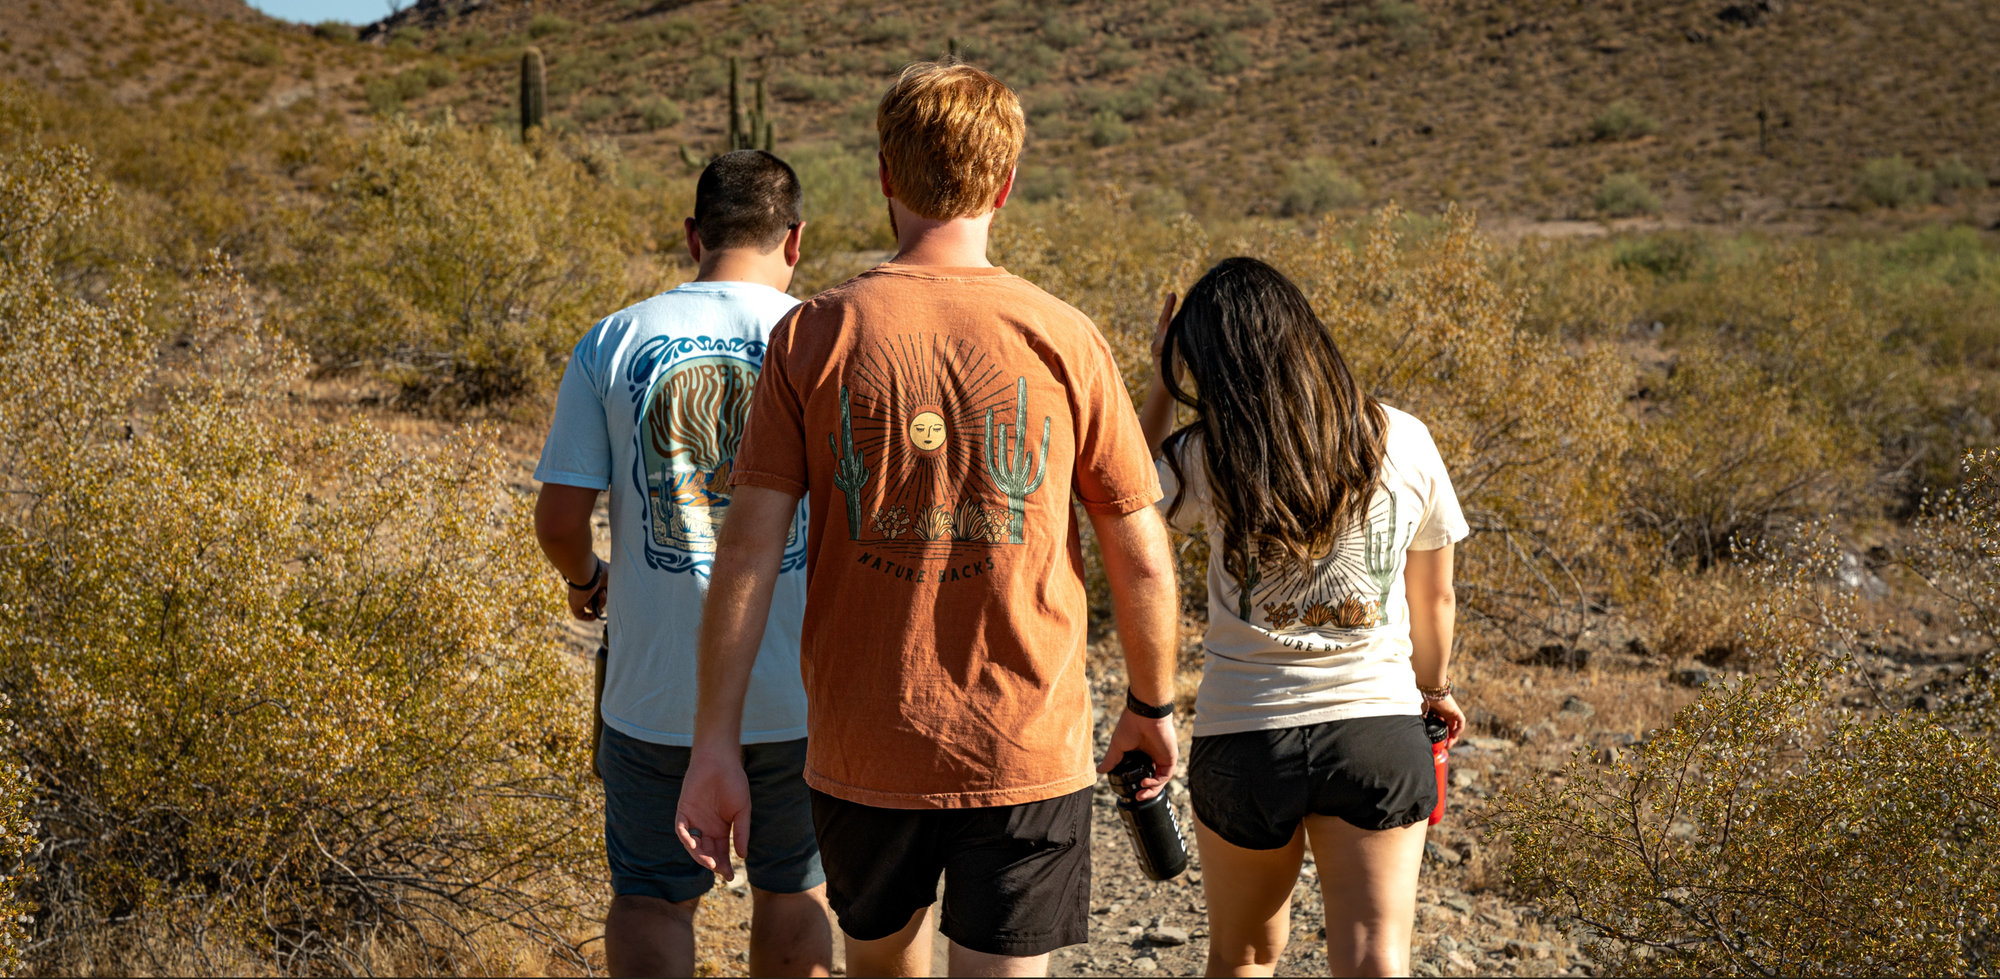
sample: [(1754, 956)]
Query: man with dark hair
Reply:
[(652, 407)]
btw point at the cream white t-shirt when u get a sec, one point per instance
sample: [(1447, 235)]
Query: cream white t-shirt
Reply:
[(1335, 643)]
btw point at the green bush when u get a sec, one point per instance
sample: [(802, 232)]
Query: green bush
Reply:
[(1189, 90), (597, 108), (1952, 173), (1624, 195), (795, 87), (309, 695), (333, 30), (1116, 56), (406, 37), (1064, 34), (544, 25), (1891, 181), (1313, 186), (1397, 13), (457, 265), (659, 112), (1666, 256), (676, 30), (1623, 120), (1041, 183), (20, 843), (262, 54), (1228, 53), (885, 30), (1108, 129), (1769, 830)]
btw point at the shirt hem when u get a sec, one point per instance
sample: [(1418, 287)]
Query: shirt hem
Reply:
[(987, 798), (751, 477), (1343, 712), (687, 740), (573, 479)]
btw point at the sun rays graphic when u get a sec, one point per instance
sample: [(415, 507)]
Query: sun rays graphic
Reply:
[(919, 407)]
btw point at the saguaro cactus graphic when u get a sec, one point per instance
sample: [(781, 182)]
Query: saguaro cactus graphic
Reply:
[(1011, 474), (851, 468), (1379, 556)]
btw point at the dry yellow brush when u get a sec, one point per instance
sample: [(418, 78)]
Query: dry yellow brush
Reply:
[(1533, 430), (458, 264), (1773, 830), (283, 689)]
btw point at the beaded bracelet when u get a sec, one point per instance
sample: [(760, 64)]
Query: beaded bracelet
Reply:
[(1432, 694)]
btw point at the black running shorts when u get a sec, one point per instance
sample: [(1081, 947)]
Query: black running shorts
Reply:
[(1016, 878), (1253, 787)]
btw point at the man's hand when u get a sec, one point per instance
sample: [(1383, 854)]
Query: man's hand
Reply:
[(588, 604), (714, 809), (1155, 737)]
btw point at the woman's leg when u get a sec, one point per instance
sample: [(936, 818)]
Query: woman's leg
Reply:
[(1368, 879), (1249, 896)]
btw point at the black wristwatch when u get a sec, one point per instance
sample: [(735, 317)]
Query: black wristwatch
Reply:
[(1143, 709)]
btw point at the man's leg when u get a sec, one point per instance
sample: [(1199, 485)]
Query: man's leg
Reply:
[(646, 936), (1369, 881), (966, 962), (905, 953), (1249, 896), (789, 933)]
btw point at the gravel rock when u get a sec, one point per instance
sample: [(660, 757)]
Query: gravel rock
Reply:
[(1145, 964), (1575, 706), (1693, 676), (1439, 855), (1167, 935)]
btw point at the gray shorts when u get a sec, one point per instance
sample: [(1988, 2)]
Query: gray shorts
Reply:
[(642, 789)]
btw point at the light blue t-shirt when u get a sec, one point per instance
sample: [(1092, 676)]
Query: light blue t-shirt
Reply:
[(652, 407)]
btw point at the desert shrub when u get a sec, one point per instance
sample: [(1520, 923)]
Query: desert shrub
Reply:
[(19, 844), (659, 112), (1768, 831), (457, 265), (1891, 181), (884, 30), (796, 87), (1666, 256), (597, 108), (1396, 13), (1952, 173), (262, 54), (1228, 53), (1116, 56), (1624, 195), (279, 684), (1313, 186), (333, 30), (1623, 119), (675, 30), (1063, 34), (1957, 553), (544, 25), (1108, 128), (1189, 91), (1572, 289), (1038, 183)]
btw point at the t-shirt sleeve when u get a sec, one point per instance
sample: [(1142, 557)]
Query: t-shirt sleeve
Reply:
[(1192, 497), (1114, 471), (1443, 522), (578, 450), (773, 450)]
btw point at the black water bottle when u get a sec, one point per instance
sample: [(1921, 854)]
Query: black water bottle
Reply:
[(1153, 826)]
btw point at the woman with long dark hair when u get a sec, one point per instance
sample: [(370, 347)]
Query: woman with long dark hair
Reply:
[(1330, 522)]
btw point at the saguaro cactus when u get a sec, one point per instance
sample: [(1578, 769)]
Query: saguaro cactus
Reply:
[(1011, 474), (1252, 577), (1379, 557), (751, 130), (534, 90), (850, 467)]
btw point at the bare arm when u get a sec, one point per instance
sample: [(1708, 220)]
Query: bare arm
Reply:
[(1156, 416), (562, 527), (715, 795), (1140, 565), (1433, 614)]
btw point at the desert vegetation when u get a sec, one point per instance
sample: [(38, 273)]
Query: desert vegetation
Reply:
[(286, 689)]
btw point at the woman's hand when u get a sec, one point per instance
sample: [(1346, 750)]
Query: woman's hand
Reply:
[(1454, 719), (1156, 414)]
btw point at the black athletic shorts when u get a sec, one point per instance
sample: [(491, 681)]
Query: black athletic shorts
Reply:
[(1016, 878), (1253, 787)]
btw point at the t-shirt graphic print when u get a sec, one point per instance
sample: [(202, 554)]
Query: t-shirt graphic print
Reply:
[(1348, 589), (942, 421), (692, 395), (952, 479)]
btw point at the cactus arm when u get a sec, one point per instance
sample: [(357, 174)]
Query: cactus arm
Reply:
[(850, 467), (1379, 554)]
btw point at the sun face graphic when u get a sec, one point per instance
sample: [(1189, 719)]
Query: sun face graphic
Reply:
[(927, 431)]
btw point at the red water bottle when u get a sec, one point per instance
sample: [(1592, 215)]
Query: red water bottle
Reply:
[(1438, 730)]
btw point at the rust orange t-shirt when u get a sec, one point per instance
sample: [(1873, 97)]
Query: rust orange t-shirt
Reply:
[(941, 420)]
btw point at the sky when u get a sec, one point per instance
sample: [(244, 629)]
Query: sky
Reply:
[(314, 11)]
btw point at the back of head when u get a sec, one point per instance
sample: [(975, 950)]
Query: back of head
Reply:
[(746, 199), (1291, 446), (951, 135)]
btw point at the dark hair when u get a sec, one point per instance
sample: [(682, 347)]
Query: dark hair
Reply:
[(747, 199), (1291, 446)]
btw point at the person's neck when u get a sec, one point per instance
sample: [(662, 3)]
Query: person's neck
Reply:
[(746, 265), (950, 243)]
